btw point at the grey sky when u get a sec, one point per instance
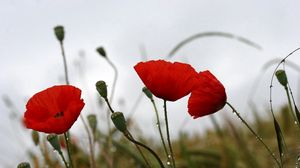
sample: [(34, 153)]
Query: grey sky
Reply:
[(31, 60)]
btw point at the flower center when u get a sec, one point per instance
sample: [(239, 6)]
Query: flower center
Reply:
[(59, 114)]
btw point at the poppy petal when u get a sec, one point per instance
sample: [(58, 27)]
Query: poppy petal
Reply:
[(54, 110), (208, 97), (166, 80)]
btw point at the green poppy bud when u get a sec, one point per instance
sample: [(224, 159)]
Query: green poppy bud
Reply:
[(23, 165), (101, 51), (92, 122), (119, 121), (59, 33), (148, 93), (281, 77), (102, 89), (53, 140), (35, 137)]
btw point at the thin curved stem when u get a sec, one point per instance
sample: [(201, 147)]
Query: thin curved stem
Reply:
[(290, 104), (146, 147), (209, 34), (91, 146), (168, 134), (140, 151), (68, 149), (159, 129), (67, 82), (84, 123), (255, 134), (110, 100)]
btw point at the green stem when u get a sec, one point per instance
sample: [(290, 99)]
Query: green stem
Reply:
[(63, 158), (168, 134), (255, 134), (290, 104), (91, 146), (159, 129), (126, 134), (111, 99), (68, 149), (140, 151), (65, 62), (110, 108)]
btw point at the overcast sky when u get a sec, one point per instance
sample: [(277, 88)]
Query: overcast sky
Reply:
[(31, 60)]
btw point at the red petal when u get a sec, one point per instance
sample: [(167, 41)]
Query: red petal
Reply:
[(166, 80), (43, 107), (208, 97)]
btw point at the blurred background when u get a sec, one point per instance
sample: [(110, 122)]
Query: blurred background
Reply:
[(132, 31)]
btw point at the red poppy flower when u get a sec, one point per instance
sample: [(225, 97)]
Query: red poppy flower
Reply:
[(166, 80), (208, 97), (54, 110)]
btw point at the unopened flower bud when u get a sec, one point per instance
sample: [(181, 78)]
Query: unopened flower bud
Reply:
[(35, 137), (23, 165), (53, 140), (101, 51), (281, 77), (148, 93), (102, 89), (59, 33), (119, 121), (92, 122)]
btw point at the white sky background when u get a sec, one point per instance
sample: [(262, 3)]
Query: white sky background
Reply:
[(31, 60)]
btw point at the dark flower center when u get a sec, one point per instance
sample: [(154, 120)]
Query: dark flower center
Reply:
[(59, 114)]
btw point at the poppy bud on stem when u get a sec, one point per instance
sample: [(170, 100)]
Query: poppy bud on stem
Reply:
[(23, 165), (35, 137), (53, 140), (148, 93), (92, 122), (281, 77), (101, 51), (59, 33), (119, 121), (102, 89)]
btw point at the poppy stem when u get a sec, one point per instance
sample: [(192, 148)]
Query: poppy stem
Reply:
[(110, 108), (255, 134), (63, 158), (65, 62), (91, 146), (68, 149), (290, 104), (159, 129), (130, 138), (84, 123), (141, 152), (110, 100), (168, 135)]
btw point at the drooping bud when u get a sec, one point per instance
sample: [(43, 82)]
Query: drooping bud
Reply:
[(23, 165), (59, 33), (119, 121), (281, 77), (102, 89), (148, 93), (35, 137), (92, 122), (101, 51), (53, 140)]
